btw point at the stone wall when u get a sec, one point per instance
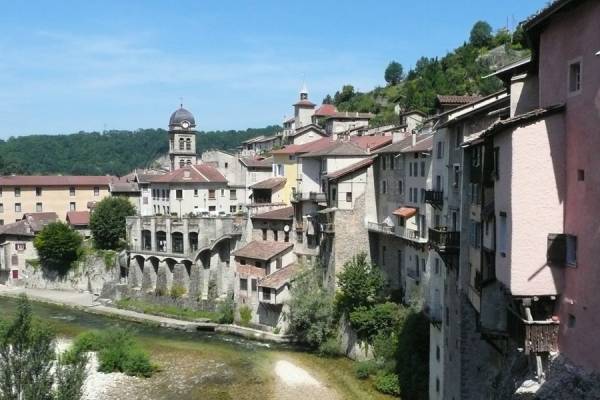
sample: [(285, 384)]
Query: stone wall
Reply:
[(90, 275)]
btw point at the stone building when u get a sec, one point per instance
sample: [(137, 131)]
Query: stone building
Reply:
[(182, 139), (16, 245)]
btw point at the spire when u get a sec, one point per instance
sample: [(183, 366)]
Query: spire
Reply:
[(304, 92)]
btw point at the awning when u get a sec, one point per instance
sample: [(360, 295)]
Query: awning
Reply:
[(327, 210), (405, 212)]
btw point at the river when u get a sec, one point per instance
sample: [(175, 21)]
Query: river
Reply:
[(208, 366)]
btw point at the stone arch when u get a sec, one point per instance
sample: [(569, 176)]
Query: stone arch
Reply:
[(164, 276), (149, 274), (181, 276), (136, 271)]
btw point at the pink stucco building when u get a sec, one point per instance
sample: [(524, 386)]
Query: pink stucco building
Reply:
[(566, 52)]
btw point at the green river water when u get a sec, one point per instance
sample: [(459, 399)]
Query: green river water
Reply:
[(207, 366)]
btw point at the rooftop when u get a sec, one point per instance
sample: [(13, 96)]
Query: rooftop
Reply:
[(350, 169), (325, 110), (262, 250), (254, 162), (280, 277), (54, 180), (269, 183), (350, 115), (286, 213), (78, 218), (19, 228), (455, 100), (200, 173), (37, 221)]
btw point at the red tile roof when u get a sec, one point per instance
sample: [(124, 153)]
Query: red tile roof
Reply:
[(257, 162), (200, 173), (325, 110), (425, 144), (262, 250), (306, 103), (405, 212), (37, 221), (306, 147), (350, 169), (285, 213), (371, 142), (280, 277), (78, 218), (269, 183), (54, 180)]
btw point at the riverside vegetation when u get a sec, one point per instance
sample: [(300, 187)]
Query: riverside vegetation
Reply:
[(398, 334)]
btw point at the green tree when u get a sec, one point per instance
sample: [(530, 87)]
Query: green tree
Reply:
[(481, 34), (27, 358), (58, 246), (107, 222), (360, 285), (393, 73), (310, 315), (328, 100)]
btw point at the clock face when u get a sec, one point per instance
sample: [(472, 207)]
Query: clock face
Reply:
[(185, 124)]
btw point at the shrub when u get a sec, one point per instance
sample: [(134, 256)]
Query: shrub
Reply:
[(58, 247), (177, 291), (330, 347), (364, 369), (311, 311), (245, 315), (379, 318), (159, 292), (360, 284), (226, 310), (276, 330), (107, 222), (212, 289), (388, 383)]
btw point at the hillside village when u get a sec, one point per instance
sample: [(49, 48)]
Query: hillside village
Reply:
[(480, 213)]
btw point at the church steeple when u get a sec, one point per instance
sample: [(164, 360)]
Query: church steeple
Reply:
[(304, 92), (182, 139)]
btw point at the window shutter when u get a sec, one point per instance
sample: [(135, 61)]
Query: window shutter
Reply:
[(557, 248)]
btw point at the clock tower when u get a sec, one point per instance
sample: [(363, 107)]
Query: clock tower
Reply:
[(182, 139)]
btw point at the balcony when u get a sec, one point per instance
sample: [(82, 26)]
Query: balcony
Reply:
[(398, 231), (317, 197), (443, 240), (533, 336), (381, 228), (433, 314), (434, 197)]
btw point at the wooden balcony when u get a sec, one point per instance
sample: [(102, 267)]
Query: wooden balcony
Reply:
[(533, 336), (443, 240), (434, 197)]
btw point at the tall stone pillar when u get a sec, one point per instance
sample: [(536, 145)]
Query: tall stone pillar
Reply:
[(168, 232), (135, 273), (153, 234), (148, 277), (164, 278), (195, 291), (181, 277)]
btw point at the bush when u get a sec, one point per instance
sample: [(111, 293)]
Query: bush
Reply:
[(245, 315), (177, 291), (58, 247), (330, 347), (388, 383), (226, 310), (360, 284), (107, 222), (379, 318), (311, 311), (364, 369)]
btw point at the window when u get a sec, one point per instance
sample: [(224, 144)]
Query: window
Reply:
[(502, 232), (181, 144), (179, 194), (575, 77), (243, 284), (348, 197), (286, 237), (440, 149), (400, 187), (333, 194), (233, 195), (17, 192), (383, 162), (1, 208), (422, 195), (72, 191), (222, 192), (266, 293), (456, 181), (17, 207), (242, 261), (212, 208), (475, 234), (497, 162), (195, 192), (391, 161), (410, 171), (38, 207), (580, 175), (226, 165), (459, 136), (383, 250), (211, 194), (264, 234), (423, 265), (181, 163), (72, 206), (383, 187), (571, 321), (188, 144), (275, 235), (38, 191), (422, 168), (278, 263), (0, 192), (20, 246), (253, 283), (437, 353), (232, 209), (571, 254)]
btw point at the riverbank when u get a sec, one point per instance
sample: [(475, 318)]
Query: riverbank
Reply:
[(88, 302)]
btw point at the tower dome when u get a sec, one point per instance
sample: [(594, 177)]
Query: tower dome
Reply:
[(182, 119)]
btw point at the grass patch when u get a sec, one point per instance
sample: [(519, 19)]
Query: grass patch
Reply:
[(167, 311)]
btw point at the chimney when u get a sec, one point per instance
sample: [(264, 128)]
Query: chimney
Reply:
[(414, 137)]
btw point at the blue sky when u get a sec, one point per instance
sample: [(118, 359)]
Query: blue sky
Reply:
[(67, 66)]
